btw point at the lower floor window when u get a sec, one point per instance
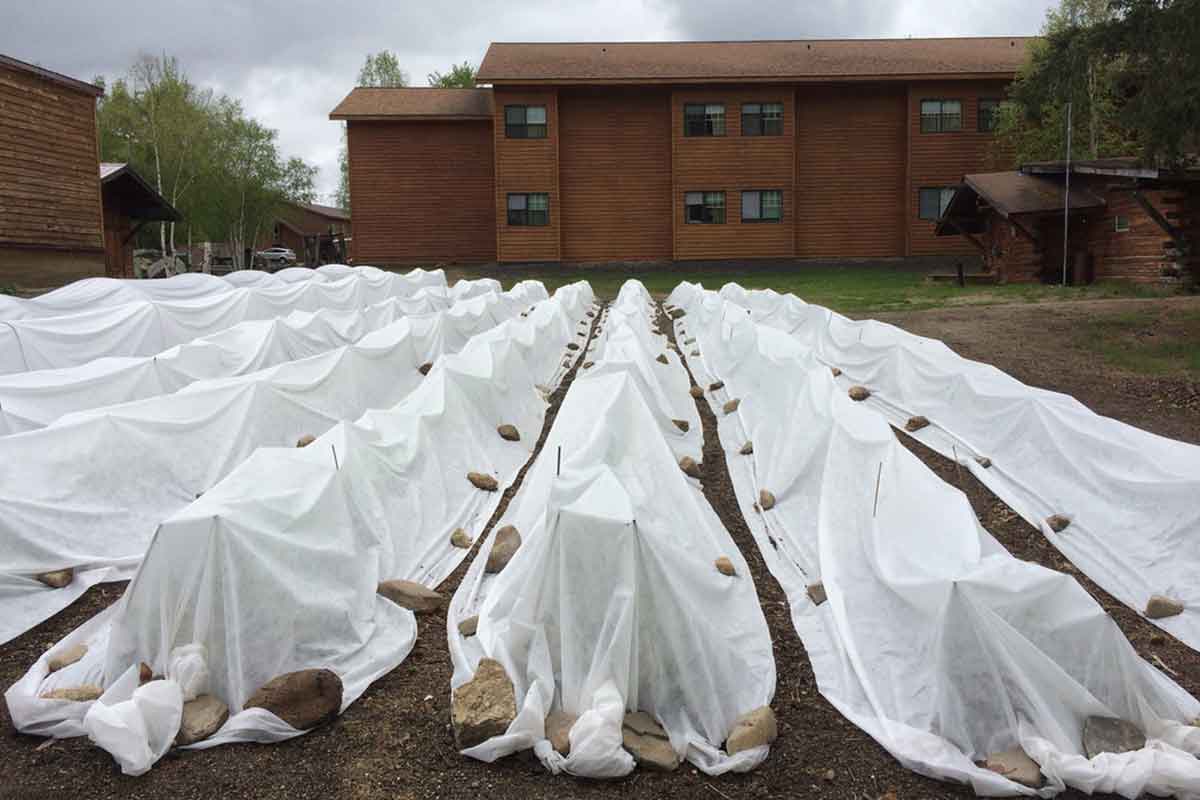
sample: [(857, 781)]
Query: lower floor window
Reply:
[(530, 208), (934, 201), (1120, 223), (704, 208), (762, 206)]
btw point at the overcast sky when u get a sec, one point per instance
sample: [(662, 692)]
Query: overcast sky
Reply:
[(291, 61)]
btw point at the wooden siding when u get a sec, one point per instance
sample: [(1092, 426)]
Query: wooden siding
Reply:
[(422, 192), (615, 174), (942, 159), (850, 171), (527, 165), (733, 163)]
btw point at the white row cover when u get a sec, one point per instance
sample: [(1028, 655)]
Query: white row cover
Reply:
[(613, 602), (275, 569), (934, 639), (148, 326), (31, 400), (88, 491), (1133, 498), (92, 293)]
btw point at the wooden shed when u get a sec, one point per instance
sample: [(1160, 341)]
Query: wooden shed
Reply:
[(317, 234), (129, 204), (51, 219)]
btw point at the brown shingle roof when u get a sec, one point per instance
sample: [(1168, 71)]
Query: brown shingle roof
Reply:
[(421, 103), (50, 75), (798, 60)]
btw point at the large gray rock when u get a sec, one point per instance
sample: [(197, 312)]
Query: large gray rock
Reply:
[(752, 729), (202, 717), (747, 448), (66, 656), (1016, 766), (302, 699), (1111, 735), (558, 729), (662, 359), (1161, 606), (647, 742), (410, 595), (508, 541), (484, 706)]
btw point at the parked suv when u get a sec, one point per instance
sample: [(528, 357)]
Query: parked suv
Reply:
[(275, 258)]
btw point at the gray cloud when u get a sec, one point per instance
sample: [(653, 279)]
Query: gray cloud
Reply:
[(291, 61)]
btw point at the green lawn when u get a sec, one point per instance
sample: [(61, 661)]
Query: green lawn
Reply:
[(850, 289), (1155, 341)]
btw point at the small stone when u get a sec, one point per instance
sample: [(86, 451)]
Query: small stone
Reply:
[(56, 579), (696, 392), (484, 706), (716, 385), (305, 440), (558, 729), (1157, 639), (76, 694), (1111, 735), (410, 595), (589, 364), (752, 729), (202, 717), (816, 593), (581, 333), (1161, 606), (682, 424), (836, 372), (509, 433), (677, 313), (830, 776), (766, 500), (591, 313), (662, 359), (859, 393), (66, 657), (507, 542), (1057, 522), (915, 424), (469, 625), (572, 346), (731, 405), (1016, 766), (648, 743), (725, 566), (690, 341), (302, 699), (460, 539), (483, 481), (695, 354), (983, 461), (689, 467), (424, 368), (145, 674), (747, 448)]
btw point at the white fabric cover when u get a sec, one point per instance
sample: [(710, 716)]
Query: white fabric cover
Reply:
[(934, 639), (147, 326), (1133, 498), (612, 600), (275, 568), (88, 491)]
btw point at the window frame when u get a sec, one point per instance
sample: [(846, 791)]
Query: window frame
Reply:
[(525, 220), (941, 115), (510, 128), (708, 124), (760, 120), (941, 207), (709, 210), (760, 218), (994, 116), (1117, 228)]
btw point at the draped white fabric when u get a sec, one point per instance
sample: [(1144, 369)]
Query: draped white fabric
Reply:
[(934, 639), (612, 601)]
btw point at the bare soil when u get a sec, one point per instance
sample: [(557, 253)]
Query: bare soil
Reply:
[(395, 742)]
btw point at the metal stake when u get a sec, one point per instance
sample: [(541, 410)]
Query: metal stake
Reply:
[(336, 466), (878, 478)]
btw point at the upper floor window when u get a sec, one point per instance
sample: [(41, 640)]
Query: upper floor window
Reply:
[(989, 114), (530, 208), (704, 208), (1120, 223), (933, 202), (525, 122), (762, 206), (762, 119), (704, 119), (940, 116)]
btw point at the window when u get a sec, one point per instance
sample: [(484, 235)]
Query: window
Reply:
[(704, 208), (941, 116), (1120, 223), (762, 206), (934, 201), (525, 122), (762, 119), (704, 119), (989, 111), (529, 209)]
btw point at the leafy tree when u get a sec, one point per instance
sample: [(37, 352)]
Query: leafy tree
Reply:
[(379, 69), (460, 76)]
